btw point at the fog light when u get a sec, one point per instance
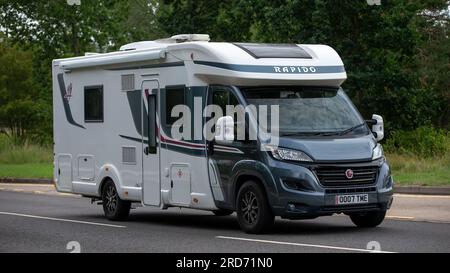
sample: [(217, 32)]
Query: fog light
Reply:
[(297, 184)]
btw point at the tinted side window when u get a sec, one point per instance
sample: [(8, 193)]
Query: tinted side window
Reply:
[(174, 96), (220, 98), (223, 96), (93, 104)]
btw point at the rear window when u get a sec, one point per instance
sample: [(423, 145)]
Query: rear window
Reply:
[(259, 51)]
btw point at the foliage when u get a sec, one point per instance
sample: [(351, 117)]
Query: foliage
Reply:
[(397, 55), (13, 153), (387, 49), (424, 141), (418, 170), (19, 103)]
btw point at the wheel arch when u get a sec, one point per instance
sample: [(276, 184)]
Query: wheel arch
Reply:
[(255, 171), (109, 172)]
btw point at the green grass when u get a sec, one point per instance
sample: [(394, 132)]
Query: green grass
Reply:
[(26, 161), (27, 170), (32, 161), (412, 170), (28, 153)]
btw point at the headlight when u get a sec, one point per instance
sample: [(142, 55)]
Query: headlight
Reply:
[(288, 154), (377, 152)]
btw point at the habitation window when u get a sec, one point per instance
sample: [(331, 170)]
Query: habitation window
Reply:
[(93, 104), (174, 96)]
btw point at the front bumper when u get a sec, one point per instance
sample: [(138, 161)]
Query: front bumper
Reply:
[(313, 199)]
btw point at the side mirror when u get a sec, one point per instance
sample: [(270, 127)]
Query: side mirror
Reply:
[(224, 129), (378, 127)]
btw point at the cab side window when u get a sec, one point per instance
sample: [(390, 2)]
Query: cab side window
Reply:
[(175, 95), (223, 96)]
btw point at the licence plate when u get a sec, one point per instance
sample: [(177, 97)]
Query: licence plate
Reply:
[(352, 199)]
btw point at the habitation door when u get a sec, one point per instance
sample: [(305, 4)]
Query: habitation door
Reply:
[(151, 179)]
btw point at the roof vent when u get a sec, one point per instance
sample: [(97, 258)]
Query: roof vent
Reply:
[(181, 38)]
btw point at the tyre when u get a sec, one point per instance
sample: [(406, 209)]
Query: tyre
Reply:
[(115, 209), (222, 212), (252, 208), (368, 219)]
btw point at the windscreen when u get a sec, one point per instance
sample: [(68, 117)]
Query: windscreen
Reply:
[(307, 109)]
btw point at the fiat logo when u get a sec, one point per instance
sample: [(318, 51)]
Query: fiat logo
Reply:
[(349, 174)]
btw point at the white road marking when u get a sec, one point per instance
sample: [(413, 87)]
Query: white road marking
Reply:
[(300, 244), (60, 219), (400, 217), (421, 196)]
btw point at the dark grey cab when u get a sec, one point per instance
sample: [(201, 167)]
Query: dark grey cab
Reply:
[(327, 159)]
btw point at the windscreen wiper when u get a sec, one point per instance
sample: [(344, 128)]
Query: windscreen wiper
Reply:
[(351, 129), (310, 134), (300, 134)]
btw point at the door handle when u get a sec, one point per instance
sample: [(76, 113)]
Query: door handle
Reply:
[(171, 183), (146, 150)]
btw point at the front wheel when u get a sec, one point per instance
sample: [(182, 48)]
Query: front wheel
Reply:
[(368, 219), (252, 208), (115, 209)]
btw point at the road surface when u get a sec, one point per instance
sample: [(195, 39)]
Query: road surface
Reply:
[(40, 222)]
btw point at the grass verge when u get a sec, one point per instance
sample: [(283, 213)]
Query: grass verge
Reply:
[(32, 161), (412, 170), (27, 170)]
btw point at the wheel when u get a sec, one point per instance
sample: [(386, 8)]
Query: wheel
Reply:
[(252, 208), (222, 212), (368, 219), (114, 208)]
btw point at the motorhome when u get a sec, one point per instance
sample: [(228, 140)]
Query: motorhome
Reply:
[(114, 124)]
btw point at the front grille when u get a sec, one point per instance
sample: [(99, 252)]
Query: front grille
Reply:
[(351, 190), (336, 177), (350, 208)]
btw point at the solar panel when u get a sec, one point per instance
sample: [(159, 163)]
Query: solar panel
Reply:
[(259, 51)]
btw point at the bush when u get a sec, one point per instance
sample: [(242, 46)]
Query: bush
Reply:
[(423, 141), (12, 153)]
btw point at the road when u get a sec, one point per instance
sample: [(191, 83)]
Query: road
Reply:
[(33, 222)]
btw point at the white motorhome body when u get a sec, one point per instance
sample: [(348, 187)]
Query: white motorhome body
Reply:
[(103, 103)]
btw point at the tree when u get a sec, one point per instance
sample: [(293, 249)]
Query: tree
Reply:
[(19, 106), (54, 29), (141, 23), (382, 46), (61, 29)]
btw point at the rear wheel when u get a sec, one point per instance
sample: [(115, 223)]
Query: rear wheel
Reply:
[(114, 208), (252, 208), (222, 212), (368, 219)]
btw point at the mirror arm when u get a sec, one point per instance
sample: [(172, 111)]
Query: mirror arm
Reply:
[(371, 122)]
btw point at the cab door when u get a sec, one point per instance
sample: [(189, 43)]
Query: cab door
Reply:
[(223, 157), (151, 175)]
